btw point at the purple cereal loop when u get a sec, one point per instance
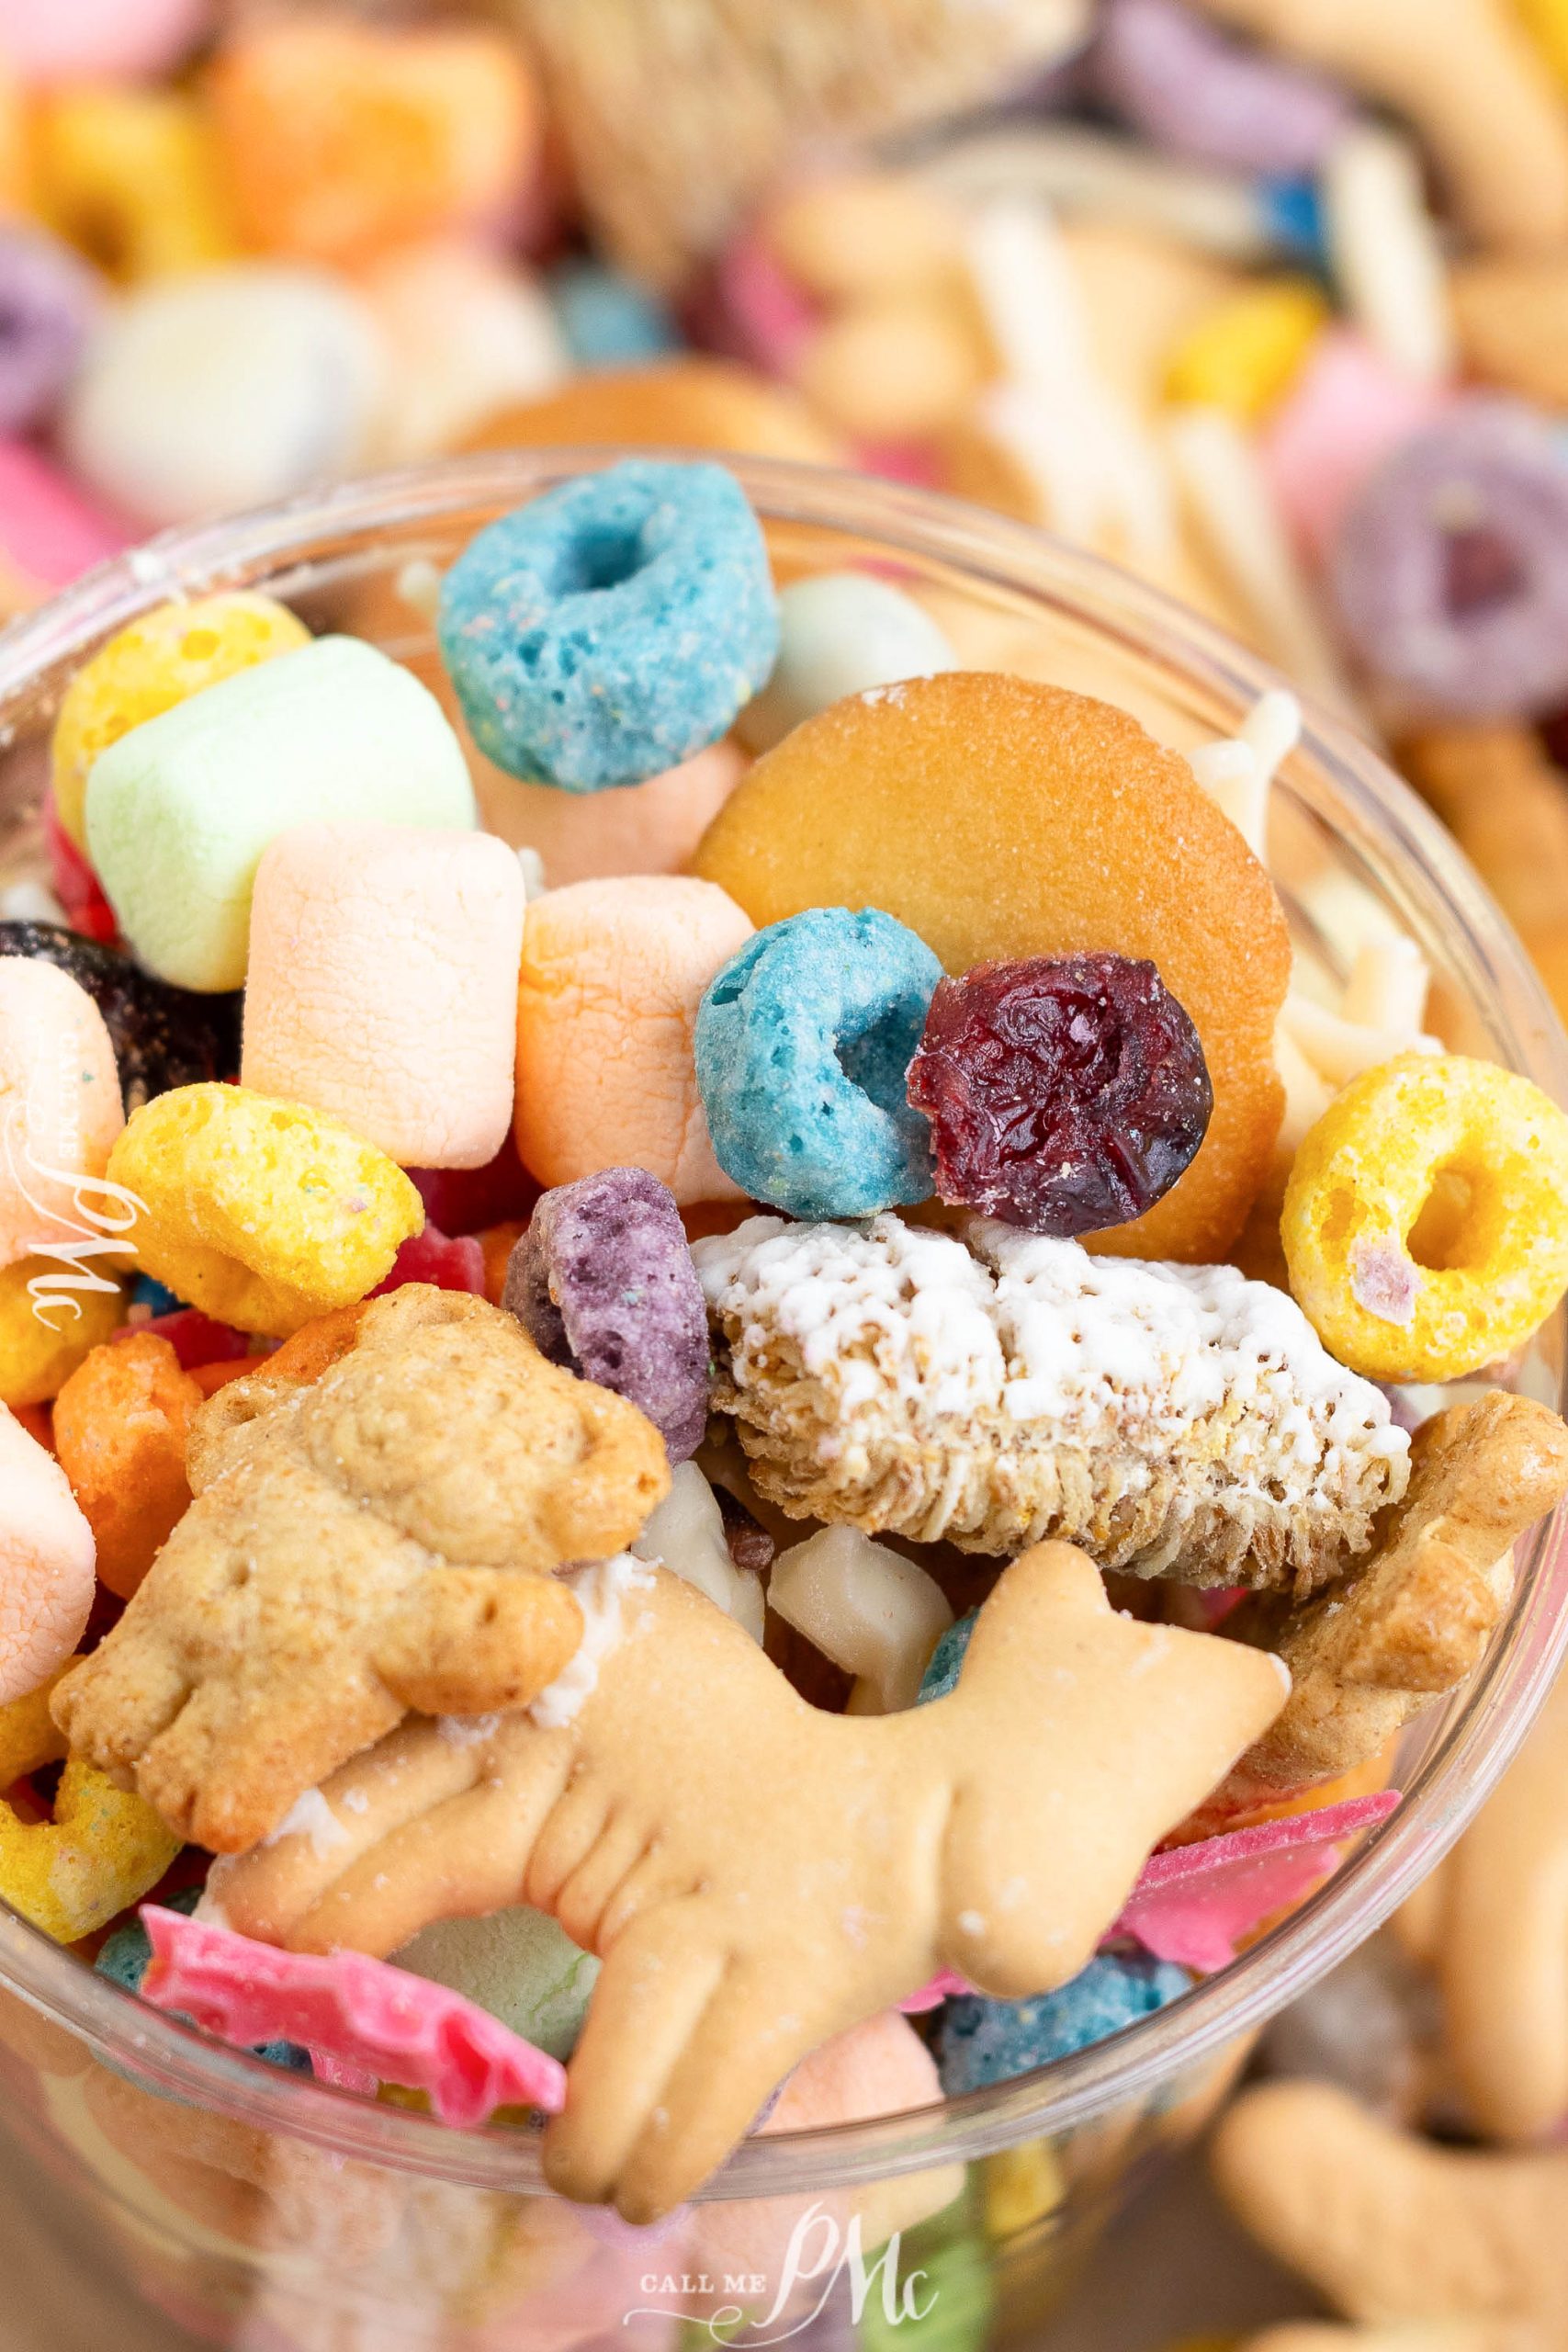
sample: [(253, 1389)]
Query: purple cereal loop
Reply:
[(1451, 567), (604, 1283), (1198, 93), (49, 300)]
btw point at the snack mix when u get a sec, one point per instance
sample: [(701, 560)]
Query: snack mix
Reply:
[(420, 1605), (777, 1418)]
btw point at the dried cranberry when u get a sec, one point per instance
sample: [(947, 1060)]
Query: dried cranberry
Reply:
[(163, 1036), (1065, 1093)]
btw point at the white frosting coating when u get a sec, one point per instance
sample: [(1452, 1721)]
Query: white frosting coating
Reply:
[(601, 1588), (1014, 1329)]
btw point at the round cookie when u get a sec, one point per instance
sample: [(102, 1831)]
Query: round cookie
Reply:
[(688, 403), (999, 819)]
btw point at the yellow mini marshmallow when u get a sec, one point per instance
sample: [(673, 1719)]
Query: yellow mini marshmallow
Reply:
[(103, 1849), (170, 652), (132, 178), (612, 974), (1426, 1219), (1244, 355), (261, 1213), (40, 1350)]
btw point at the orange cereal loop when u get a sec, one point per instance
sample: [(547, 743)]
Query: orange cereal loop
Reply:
[(120, 1431), (498, 1242), (344, 139), (998, 817), (314, 1347), (210, 1377)]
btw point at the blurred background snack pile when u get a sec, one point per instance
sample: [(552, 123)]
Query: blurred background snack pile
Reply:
[(1264, 299)]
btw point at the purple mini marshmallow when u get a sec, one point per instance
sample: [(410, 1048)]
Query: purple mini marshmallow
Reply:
[(1451, 568), (603, 1282), (48, 301), (1198, 93)]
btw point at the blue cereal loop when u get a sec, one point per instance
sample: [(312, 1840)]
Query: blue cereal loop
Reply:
[(124, 1959), (607, 320), (612, 628), (946, 1660), (803, 1043), (983, 2041)]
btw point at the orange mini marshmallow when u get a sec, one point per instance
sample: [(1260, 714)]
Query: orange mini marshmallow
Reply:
[(382, 986), (46, 1564), (647, 827), (60, 1102), (613, 972)]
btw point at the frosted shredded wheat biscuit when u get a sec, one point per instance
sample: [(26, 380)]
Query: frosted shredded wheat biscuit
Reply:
[(1000, 1389)]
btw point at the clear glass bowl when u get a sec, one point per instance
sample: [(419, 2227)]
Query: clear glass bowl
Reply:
[(253, 2208)]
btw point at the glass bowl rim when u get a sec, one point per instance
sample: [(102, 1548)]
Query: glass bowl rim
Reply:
[(1494, 1711)]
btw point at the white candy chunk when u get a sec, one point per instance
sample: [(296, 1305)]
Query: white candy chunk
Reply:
[(1220, 473), (1340, 1050), (686, 1536), (1387, 984), (226, 387), (1384, 250), (875, 1613), (1238, 770), (840, 633)]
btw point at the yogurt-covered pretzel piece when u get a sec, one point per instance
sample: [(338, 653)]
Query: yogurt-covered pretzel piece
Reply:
[(744, 1914)]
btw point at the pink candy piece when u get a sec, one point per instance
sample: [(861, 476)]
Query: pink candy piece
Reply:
[(195, 1338), (1193, 1904), (1345, 413), (910, 462), (356, 2012), (465, 1199), (47, 530), (766, 318), (75, 883), (941, 1987), (451, 1264), (99, 40)]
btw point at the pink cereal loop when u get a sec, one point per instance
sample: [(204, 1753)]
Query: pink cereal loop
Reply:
[(367, 2020)]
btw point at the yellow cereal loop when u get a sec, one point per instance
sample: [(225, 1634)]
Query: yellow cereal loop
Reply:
[(1018, 2186), (29, 1737), (39, 1355), (263, 1214), (132, 176), (102, 1851), (1426, 1221), (172, 652), (1244, 355), (1547, 22)]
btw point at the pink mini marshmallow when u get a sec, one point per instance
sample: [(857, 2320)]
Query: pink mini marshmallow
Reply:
[(367, 2019), (382, 986), (99, 40), (59, 1105), (612, 974), (46, 1563), (1195, 1904), (1348, 409)]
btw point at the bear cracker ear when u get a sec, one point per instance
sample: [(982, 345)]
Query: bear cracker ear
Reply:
[(224, 1430)]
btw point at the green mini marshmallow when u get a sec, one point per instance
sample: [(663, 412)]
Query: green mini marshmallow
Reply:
[(181, 809)]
